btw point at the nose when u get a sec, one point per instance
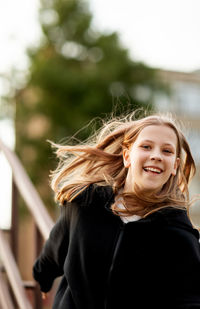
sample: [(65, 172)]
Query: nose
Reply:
[(156, 156)]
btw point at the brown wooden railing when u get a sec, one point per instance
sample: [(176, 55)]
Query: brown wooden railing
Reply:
[(11, 283)]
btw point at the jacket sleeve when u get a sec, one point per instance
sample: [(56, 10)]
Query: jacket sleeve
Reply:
[(49, 264)]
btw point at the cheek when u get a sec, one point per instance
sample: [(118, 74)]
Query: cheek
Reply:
[(171, 164), (138, 160), (143, 157)]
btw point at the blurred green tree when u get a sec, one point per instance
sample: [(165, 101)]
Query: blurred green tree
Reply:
[(76, 74)]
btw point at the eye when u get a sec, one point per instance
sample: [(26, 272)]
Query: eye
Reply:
[(167, 150), (146, 146)]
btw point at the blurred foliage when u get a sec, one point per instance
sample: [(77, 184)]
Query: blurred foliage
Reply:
[(76, 74)]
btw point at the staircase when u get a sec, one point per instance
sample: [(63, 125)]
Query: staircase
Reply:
[(14, 292)]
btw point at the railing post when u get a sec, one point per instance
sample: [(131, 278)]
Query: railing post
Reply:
[(14, 221), (14, 228), (5, 298), (13, 274), (38, 245)]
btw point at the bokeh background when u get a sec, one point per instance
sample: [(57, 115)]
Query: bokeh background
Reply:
[(66, 62)]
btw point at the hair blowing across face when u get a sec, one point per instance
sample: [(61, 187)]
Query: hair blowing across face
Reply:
[(100, 161)]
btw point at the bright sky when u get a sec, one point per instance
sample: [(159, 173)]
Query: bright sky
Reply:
[(18, 29), (8, 137), (162, 33)]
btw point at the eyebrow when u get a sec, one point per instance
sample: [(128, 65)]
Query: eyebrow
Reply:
[(150, 141)]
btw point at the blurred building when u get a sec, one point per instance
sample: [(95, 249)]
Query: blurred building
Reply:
[(183, 100)]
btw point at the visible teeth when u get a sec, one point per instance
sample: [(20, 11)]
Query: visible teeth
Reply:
[(152, 169)]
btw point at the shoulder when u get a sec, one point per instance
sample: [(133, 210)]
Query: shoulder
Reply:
[(94, 194), (173, 236), (174, 219)]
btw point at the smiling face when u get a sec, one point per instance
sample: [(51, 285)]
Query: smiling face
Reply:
[(152, 159)]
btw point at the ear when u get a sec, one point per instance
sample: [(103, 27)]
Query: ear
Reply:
[(176, 164), (126, 158)]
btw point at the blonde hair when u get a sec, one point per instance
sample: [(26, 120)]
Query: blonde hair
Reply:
[(100, 160)]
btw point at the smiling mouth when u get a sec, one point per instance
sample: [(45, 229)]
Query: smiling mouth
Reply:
[(152, 170)]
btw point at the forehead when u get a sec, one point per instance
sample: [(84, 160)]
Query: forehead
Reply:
[(158, 133)]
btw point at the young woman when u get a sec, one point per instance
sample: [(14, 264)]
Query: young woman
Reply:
[(124, 238)]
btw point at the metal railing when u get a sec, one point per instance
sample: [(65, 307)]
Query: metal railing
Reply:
[(43, 225)]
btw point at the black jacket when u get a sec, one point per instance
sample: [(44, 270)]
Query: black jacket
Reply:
[(106, 264)]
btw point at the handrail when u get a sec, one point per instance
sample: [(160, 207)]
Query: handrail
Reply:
[(13, 274), (43, 226), (28, 192), (5, 299)]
